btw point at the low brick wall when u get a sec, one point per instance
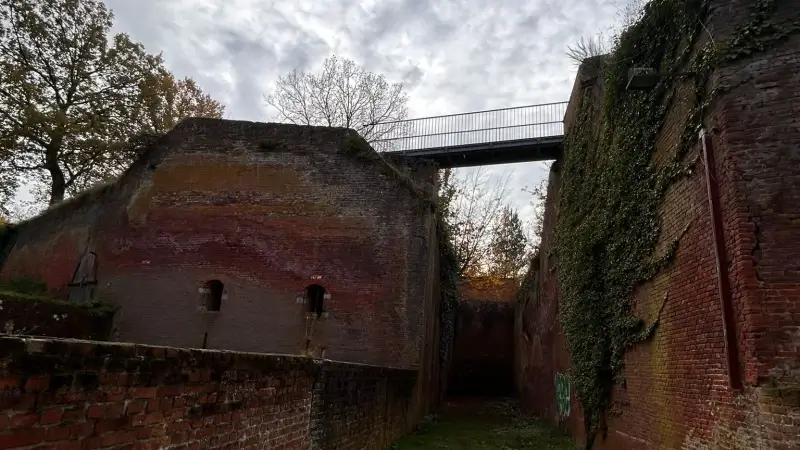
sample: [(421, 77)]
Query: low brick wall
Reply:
[(79, 394), (361, 407), (34, 317)]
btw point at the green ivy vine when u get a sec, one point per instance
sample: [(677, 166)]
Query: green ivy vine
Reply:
[(609, 223), (448, 284)]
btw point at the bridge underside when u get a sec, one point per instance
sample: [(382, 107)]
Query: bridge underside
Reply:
[(504, 152)]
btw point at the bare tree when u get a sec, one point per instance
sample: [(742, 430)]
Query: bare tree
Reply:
[(343, 94), (475, 202), (628, 13)]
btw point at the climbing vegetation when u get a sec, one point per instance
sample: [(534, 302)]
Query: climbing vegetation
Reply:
[(608, 223), (449, 272)]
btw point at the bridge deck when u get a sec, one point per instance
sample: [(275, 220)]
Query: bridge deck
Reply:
[(504, 152), (498, 136)]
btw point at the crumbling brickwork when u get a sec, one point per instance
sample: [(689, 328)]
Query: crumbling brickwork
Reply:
[(677, 391), (483, 346), (80, 394), (253, 214)]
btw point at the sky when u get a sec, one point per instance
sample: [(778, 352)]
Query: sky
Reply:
[(452, 55)]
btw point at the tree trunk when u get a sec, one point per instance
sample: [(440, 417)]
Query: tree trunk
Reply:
[(58, 184)]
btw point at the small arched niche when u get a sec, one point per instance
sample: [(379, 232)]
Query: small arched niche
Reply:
[(213, 290), (315, 299)]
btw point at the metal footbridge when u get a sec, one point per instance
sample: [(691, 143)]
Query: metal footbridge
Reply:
[(496, 136)]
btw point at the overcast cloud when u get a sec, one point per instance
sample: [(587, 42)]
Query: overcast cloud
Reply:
[(453, 56)]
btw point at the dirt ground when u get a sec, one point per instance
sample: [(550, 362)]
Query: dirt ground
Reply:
[(484, 424)]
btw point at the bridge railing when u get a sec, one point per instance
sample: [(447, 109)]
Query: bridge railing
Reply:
[(473, 128)]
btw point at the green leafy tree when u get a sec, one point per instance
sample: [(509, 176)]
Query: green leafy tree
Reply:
[(8, 184), (508, 249), (164, 101), (72, 96), (447, 193)]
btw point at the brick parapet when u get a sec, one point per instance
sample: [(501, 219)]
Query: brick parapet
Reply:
[(84, 394)]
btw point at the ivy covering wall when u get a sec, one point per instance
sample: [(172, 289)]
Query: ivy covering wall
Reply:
[(609, 223), (448, 283)]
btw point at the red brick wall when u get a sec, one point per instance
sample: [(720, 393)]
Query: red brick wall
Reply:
[(483, 349), (677, 393), (483, 345), (85, 395), (267, 209), (756, 136), (361, 407), (541, 348)]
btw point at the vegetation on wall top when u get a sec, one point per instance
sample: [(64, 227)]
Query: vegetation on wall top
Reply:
[(608, 223), (33, 289)]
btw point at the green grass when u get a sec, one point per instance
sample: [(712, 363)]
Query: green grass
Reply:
[(481, 430), (23, 295)]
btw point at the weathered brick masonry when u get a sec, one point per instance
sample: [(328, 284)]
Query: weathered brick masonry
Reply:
[(483, 348), (60, 394), (677, 393), (360, 407), (540, 345), (267, 210)]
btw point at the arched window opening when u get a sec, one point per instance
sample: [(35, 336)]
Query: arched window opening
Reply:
[(213, 291), (315, 296)]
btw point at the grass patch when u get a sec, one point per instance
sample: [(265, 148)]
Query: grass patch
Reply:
[(485, 433), (4, 293)]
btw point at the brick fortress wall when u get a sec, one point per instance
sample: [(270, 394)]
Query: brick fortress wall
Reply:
[(677, 393), (542, 356), (267, 210), (483, 346), (78, 394)]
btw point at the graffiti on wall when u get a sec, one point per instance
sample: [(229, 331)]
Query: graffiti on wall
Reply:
[(562, 394)]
